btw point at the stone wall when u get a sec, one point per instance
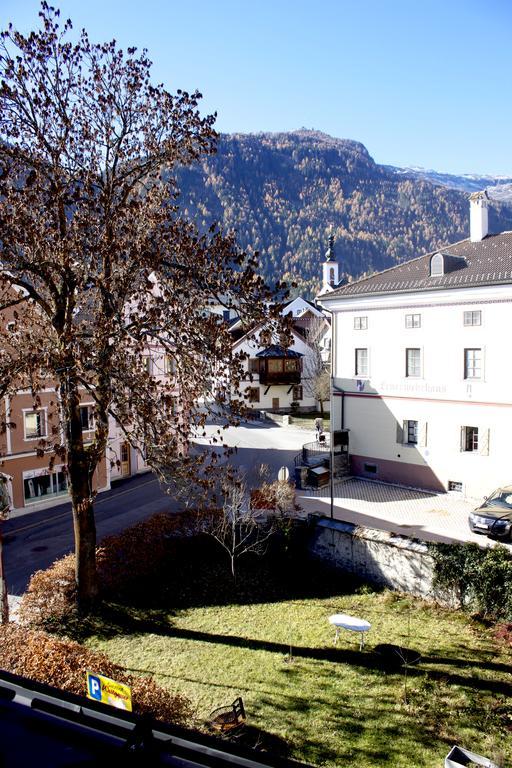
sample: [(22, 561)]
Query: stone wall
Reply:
[(375, 556)]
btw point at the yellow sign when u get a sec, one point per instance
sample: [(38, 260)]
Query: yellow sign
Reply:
[(108, 691)]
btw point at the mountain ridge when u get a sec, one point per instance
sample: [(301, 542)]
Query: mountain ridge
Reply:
[(284, 192)]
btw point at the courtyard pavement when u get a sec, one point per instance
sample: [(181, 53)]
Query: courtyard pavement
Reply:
[(405, 511)]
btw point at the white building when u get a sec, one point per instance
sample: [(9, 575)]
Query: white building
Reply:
[(422, 368), (274, 376)]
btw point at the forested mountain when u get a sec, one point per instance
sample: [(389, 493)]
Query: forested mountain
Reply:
[(282, 193)]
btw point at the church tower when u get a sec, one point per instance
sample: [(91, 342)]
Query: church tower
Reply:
[(330, 269)]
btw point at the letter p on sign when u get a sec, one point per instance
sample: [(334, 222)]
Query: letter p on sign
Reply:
[(93, 687)]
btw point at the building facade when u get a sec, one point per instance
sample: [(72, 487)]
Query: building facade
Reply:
[(421, 367)]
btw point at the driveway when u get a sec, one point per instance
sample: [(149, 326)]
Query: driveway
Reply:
[(405, 511), (417, 514)]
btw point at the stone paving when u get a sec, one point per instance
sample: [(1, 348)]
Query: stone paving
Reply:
[(419, 514)]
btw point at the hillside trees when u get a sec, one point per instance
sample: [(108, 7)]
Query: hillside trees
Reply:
[(98, 263)]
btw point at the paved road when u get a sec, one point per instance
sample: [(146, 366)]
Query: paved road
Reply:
[(34, 540)]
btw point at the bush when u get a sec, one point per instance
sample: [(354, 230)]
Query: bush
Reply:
[(480, 578), (63, 664), (131, 556)]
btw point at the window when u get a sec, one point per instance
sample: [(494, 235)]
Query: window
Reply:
[(455, 485), (35, 424), (87, 417), (254, 365), (146, 362), (473, 317), (297, 392), (413, 321), (413, 362), (41, 484), (370, 468), (469, 440), (225, 315), (275, 366), (290, 365), (361, 362), (169, 365), (360, 323), (253, 394), (411, 432), (437, 265), (472, 363)]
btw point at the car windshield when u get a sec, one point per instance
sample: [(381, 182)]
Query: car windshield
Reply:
[(500, 498)]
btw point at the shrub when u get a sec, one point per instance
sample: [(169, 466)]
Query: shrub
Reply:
[(480, 578), (133, 555), (63, 664)]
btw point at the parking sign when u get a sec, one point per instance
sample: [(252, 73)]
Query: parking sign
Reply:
[(104, 689)]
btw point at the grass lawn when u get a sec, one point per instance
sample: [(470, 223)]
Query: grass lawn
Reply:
[(307, 420), (331, 705)]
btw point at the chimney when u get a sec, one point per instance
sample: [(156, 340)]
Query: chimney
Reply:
[(478, 216)]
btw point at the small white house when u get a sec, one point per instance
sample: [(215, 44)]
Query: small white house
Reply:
[(275, 376)]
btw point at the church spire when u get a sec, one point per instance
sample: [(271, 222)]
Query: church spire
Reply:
[(330, 268), (329, 255)]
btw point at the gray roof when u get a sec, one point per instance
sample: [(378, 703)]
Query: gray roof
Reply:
[(488, 262)]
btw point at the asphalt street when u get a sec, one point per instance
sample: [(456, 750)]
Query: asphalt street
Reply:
[(36, 539)]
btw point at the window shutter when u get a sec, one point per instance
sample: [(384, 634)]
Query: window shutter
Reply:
[(483, 441), (399, 432), (422, 437), (462, 440)]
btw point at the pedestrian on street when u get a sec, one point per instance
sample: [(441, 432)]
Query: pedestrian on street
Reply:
[(319, 427)]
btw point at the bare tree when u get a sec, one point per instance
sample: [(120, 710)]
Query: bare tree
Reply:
[(236, 526), (315, 365), (98, 265)]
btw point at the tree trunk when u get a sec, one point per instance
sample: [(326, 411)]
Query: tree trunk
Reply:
[(321, 402), (81, 466), (85, 543), (4, 603)]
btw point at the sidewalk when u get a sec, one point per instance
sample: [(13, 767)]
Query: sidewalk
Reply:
[(405, 511)]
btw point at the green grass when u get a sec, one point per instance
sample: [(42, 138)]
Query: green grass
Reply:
[(307, 420), (331, 705)]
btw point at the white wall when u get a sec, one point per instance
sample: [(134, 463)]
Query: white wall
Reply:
[(251, 348), (440, 397)]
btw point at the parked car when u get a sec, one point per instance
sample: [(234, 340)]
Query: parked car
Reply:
[(494, 516)]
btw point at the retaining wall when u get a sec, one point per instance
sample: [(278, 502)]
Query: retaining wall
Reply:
[(378, 557)]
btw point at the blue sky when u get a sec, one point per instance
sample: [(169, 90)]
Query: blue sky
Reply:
[(419, 82)]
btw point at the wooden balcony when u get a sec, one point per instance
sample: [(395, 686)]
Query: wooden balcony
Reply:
[(279, 377)]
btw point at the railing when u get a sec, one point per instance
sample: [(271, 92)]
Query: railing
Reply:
[(281, 377)]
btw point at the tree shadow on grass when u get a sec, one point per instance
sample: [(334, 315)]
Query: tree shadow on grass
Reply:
[(117, 621)]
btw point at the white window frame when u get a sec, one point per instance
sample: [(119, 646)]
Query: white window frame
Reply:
[(475, 444), (468, 367), (44, 423), (471, 315), (357, 373), (361, 323), (91, 419), (408, 374), (413, 321)]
